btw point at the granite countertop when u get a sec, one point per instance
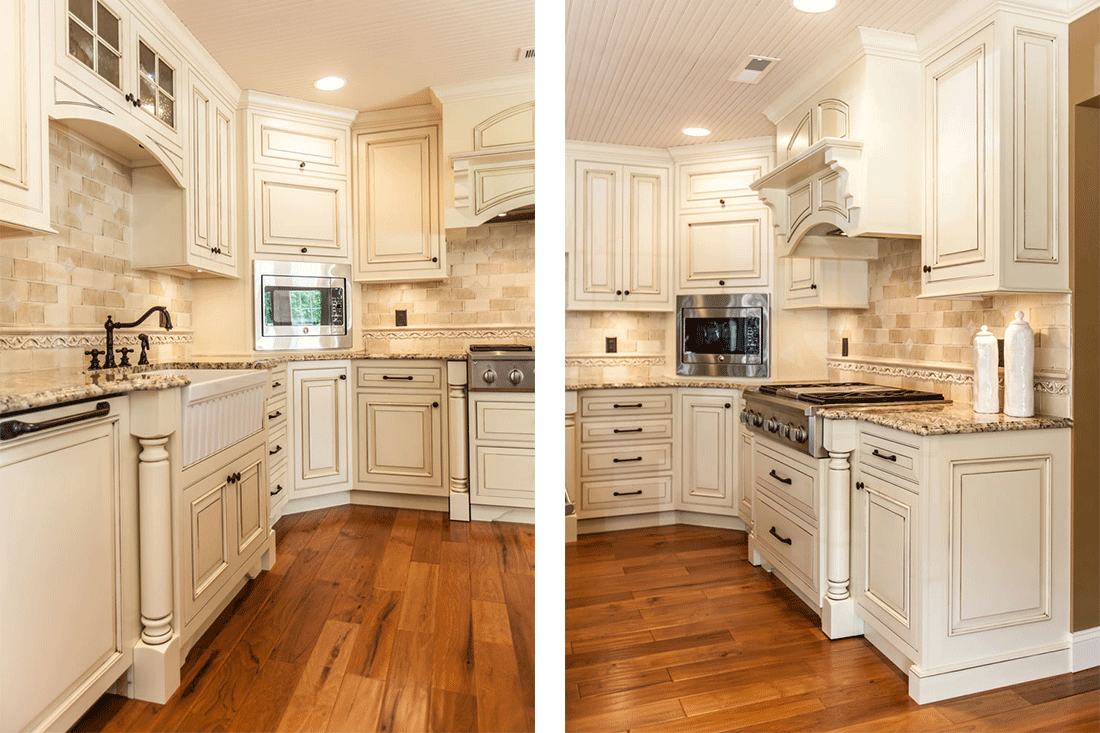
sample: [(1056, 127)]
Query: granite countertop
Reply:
[(950, 419), (696, 382), (45, 388)]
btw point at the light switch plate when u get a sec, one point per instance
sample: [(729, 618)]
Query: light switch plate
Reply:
[(400, 318), (611, 344)]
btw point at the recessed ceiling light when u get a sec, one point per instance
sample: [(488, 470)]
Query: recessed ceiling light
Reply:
[(813, 6), (696, 131), (330, 83)]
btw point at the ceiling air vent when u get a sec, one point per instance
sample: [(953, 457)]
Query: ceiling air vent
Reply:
[(526, 53), (753, 69)]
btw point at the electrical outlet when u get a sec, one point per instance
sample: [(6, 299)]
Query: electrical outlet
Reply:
[(611, 344), (1000, 352), (844, 347), (400, 318)]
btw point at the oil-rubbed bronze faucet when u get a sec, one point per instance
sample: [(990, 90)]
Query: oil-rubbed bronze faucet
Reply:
[(111, 326)]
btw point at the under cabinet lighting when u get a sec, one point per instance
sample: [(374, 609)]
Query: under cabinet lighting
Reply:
[(696, 131), (813, 6), (330, 83)]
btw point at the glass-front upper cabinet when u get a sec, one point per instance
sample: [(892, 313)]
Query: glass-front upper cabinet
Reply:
[(95, 39), (156, 84)]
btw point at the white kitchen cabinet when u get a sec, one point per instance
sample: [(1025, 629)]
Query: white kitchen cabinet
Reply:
[(400, 424), (621, 234), (502, 449), (960, 555), (24, 149), (819, 283), (708, 465), (725, 251), (297, 160), (113, 68), (398, 209), (319, 421), (713, 184), (996, 206), (279, 445), (68, 565)]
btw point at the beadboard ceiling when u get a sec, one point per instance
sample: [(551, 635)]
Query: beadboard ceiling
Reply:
[(390, 51), (637, 73)]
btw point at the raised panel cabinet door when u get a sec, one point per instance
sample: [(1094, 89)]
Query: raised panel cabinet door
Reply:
[(802, 277), (958, 240), (400, 441), (713, 184), (251, 505), (320, 428), (208, 548), (60, 567), (503, 476), (745, 478), (597, 250), (725, 250), (300, 214), (223, 161), (707, 450), (886, 529), (645, 259), (201, 114), (397, 202)]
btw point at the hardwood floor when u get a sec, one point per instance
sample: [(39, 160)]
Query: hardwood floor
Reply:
[(671, 629), (371, 620)]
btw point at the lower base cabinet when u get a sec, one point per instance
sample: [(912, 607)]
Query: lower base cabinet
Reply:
[(319, 423), (502, 449), (708, 449)]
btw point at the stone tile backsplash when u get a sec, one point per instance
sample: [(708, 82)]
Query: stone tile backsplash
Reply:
[(57, 290), (642, 340)]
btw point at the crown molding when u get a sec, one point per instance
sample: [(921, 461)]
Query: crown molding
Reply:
[(254, 100), (618, 153), (462, 91), (396, 117)]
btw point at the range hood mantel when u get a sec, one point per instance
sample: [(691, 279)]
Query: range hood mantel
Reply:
[(851, 155)]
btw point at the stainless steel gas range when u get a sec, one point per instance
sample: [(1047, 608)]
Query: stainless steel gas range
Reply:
[(786, 412)]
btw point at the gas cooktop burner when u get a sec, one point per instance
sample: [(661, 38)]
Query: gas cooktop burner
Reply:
[(848, 393)]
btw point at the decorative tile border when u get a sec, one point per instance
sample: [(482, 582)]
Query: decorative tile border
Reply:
[(443, 332), (12, 341), (615, 360), (945, 374)]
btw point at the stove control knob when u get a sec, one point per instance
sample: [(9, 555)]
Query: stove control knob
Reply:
[(489, 376), (515, 376), (773, 425), (785, 430), (757, 419), (799, 435), (745, 416)]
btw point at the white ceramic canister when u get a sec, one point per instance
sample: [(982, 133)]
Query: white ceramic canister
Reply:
[(1019, 368), (986, 396)]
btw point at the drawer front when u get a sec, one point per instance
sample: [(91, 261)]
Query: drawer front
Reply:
[(503, 476), (627, 404), (626, 459), (890, 456), (629, 496), (287, 144), (789, 541), (508, 422), (277, 446), (278, 485), (278, 382), (276, 412), (627, 430), (790, 481), (400, 377)]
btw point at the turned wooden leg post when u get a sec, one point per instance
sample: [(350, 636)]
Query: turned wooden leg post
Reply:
[(155, 532), (456, 415), (838, 611)]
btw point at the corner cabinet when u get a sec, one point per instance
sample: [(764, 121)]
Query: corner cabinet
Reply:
[(319, 421), (996, 181), (621, 215), (24, 148), (708, 466), (398, 222)]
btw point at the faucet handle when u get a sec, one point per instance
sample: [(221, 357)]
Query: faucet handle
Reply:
[(125, 362), (143, 359), (94, 353)]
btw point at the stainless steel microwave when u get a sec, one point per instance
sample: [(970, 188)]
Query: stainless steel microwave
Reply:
[(722, 335), (302, 305)]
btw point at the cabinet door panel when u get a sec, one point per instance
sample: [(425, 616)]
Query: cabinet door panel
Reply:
[(707, 470), (596, 264), (60, 523), (886, 530), (297, 212), (646, 237), (726, 250), (398, 223), (251, 507), (503, 476), (1035, 149), (400, 441), (320, 432)]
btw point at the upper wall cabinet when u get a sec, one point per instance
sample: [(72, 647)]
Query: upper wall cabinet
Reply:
[(849, 154), (996, 202), (813, 283), (24, 152), (297, 159), (113, 68), (620, 223), (399, 234), (725, 251)]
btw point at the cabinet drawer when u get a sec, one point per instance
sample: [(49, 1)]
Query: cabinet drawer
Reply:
[(277, 446), (625, 496), (790, 481), (278, 382), (278, 484), (626, 459), (508, 422), (288, 144), (276, 412), (400, 377), (503, 476), (626, 404), (594, 432), (889, 456), (714, 185), (790, 542)]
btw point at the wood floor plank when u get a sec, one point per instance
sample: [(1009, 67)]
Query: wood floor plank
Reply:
[(521, 622), (403, 530), (314, 698), (405, 709), (374, 644), (411, 662), (453, 712), (228, 687), (358, 705), (637, 716), (394, 568), (491, 622), (267, 699), (453, 657), (419, 601), (429, 535), (296, 644)]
